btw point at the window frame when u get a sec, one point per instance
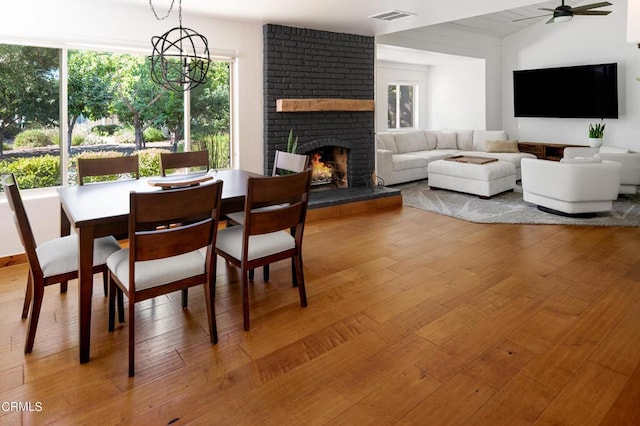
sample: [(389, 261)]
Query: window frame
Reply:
[(414, 111)]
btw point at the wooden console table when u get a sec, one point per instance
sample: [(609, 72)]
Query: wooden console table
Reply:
[(545, 151)]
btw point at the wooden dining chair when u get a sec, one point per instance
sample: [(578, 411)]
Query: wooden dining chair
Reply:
[(170, 161), (52, 262), (96, 167), (283, 163), (104, 166), (269, 234), (162, 259)]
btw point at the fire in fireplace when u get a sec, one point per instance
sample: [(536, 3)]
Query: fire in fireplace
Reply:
[(329, 168)]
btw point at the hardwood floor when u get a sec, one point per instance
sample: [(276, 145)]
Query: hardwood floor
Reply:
[(413, 318)]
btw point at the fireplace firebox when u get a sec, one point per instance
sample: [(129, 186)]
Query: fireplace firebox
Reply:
[(329, 168)]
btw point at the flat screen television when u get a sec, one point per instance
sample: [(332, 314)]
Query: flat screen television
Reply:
[(585, 91)]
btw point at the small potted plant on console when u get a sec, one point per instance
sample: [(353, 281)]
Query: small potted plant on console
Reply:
[(596, 133)]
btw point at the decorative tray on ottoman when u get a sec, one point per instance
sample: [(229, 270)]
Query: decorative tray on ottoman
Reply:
[(471, 159)]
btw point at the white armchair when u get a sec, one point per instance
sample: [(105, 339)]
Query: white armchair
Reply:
[(577, 189), (630, 161)]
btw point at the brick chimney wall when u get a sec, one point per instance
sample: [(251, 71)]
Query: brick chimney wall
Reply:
[(305, 63)]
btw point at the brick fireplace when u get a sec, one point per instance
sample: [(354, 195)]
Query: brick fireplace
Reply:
[(303, 64)]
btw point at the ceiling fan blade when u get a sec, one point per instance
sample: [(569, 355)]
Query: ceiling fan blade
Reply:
[(593, 12), (545, 8), (550, 21), (530, 17), (590, 6)]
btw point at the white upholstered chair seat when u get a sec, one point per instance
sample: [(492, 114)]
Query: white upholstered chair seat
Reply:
[(237, 217), (230, 241), (60, 255), (153, 273)]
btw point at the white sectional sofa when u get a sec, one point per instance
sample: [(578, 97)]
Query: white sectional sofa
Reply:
[(404, 156)]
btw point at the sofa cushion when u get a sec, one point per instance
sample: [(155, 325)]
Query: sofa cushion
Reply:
[(481, 136), (613, 150), (630, 168), (386, 141), (502, 146), (410, 141), (434, 154), (572, 152), (431, 136), (446, 140), (464, 140), (408, 161), (578, 160)]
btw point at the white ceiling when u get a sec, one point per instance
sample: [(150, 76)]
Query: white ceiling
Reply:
[(350, 16), (501, 24), (489, 17), (497, 24)]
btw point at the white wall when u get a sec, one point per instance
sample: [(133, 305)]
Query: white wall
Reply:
[(43, 209), (457, 95), (451, 93), (452, 41), (584, 40), (92, 25)]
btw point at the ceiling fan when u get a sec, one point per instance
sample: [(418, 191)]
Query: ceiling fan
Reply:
[(564, 13)]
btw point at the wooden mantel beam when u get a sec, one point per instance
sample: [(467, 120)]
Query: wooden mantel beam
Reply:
[(323, 104)]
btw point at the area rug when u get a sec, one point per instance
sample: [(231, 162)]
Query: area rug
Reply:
[(510, 207)]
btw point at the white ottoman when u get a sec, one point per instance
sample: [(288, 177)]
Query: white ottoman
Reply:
[(484, 180)]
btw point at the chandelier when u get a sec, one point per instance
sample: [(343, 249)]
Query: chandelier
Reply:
[(180, 59)]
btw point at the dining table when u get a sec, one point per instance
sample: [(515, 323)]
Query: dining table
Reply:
[(101, 209)]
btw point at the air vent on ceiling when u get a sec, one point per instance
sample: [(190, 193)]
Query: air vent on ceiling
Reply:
[(392, 15)]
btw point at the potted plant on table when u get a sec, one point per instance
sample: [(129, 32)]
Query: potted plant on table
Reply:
[(596, 133)]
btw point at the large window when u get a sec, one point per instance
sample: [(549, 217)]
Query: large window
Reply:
[(112, 108), (29, 114), (401, 108)]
